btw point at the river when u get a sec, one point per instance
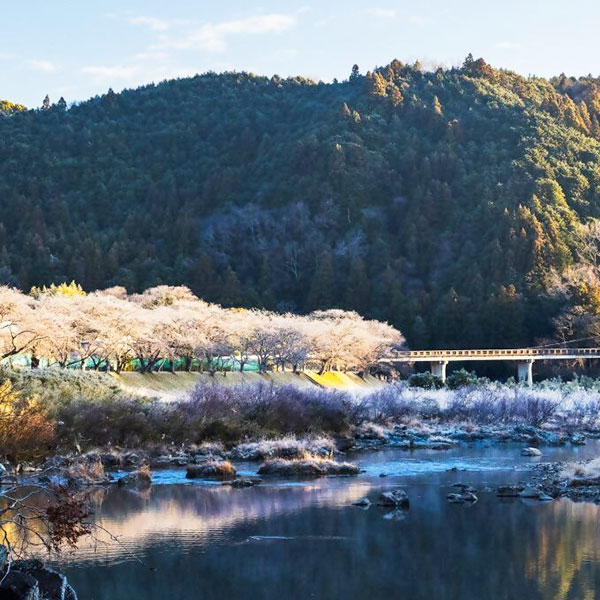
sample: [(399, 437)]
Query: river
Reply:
[(303, 539)]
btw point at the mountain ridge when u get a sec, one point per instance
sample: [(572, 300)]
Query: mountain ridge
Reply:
[(452, 203)]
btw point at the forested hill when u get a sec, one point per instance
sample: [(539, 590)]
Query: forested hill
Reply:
[(449, 203)]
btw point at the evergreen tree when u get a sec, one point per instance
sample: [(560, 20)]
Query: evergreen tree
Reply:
[(322, 288)]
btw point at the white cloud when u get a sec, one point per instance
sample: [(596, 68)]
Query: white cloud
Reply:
[(6, 56), (382, 13), (213, 36), (106, 74), (45, 66), (152, 22)]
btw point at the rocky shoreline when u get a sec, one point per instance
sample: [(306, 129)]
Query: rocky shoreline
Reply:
[(554, 480), (289, 456)]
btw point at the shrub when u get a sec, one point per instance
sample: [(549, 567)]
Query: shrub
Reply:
[(464, 378), (25, 431), (394, 402), (501, 405), (426, 380), (127, 421), (272, 410)]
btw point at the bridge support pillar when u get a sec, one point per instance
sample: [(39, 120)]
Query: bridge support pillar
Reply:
[(438, 368), (525, 370)]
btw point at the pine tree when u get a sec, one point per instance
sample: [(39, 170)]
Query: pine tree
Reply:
[(357, 296), (231, 292), (322, 287)]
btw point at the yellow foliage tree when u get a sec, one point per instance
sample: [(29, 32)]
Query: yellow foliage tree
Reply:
[(66, 289)]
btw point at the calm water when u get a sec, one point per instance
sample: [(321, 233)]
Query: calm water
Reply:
[(293, 540)]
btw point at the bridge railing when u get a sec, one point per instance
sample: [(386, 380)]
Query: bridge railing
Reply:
[(500, 352)]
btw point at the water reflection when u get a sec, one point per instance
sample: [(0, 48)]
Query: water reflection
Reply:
[(305, 541)]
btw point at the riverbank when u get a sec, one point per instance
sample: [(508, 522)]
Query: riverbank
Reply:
[(83, 422), (312, 455)]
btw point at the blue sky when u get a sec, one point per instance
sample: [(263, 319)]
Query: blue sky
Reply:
[(78, 49)]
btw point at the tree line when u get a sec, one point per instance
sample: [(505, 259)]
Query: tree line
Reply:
[(168, 327)]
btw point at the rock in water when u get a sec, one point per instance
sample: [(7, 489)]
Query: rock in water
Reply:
[(469, 497), (221, 469), (141, 479), (509, 491), (455, 498), (464, 487), (397, 498), (243, 482), (530, 452), (364, 502), (530, 492), (466, 496)]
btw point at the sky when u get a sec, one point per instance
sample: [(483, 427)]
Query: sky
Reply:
[(77, 49)]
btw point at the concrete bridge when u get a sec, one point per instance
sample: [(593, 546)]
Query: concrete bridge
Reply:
[(524, 357)]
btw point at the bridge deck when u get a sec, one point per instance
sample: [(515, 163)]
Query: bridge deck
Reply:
[(498, 354)]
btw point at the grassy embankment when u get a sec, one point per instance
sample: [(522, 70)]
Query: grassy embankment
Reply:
[(169, 386)]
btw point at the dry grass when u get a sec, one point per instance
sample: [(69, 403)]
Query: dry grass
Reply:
[(288, 447), (88, 471), (218, 469), (307, 467), (590, 470)]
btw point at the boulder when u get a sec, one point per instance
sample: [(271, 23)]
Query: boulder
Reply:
[(530, 452), (509, 491), (110, 460), (584, 481), (464, 487), (343, 444), (141, 479), (131, 460), (455, 498), (461, 498), (395, 498), (362, 502), (243, 482), (19, 586), (530, 492), (34, 581)]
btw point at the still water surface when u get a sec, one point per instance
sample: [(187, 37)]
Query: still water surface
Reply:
[(303, 539)]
